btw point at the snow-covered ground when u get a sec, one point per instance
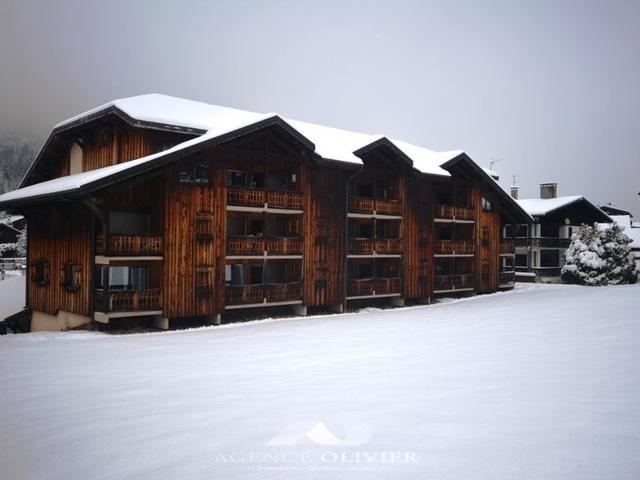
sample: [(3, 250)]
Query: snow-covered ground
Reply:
[(538, 383), (12, 291)]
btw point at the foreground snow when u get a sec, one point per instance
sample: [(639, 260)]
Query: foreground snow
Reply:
[(537, 383)]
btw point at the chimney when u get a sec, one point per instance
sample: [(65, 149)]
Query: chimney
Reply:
[(514, 191), (548, 190)]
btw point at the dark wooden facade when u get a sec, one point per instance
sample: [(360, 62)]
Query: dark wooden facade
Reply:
[(258, 221)]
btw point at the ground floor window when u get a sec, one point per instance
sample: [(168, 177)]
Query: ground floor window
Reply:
[(549, 258), (521, 260)]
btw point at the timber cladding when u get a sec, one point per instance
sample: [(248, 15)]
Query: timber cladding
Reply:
[(257, 201), (59, 236)]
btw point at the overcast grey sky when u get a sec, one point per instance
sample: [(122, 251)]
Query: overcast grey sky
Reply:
[(550, 87)]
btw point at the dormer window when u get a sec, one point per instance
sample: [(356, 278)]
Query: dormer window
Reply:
[(195, 173)]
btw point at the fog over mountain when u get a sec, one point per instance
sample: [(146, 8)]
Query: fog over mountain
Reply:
[(548, 87)]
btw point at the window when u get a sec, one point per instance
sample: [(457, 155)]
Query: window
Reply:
[(361, 229), (238, 178), (126, 278), (486, 204), (129, 223), (234, 274), (70, 276), (278, 181), (275, 272), (521, 260), (444, 268), (196, 173), (40, 272), (549, 258), (549, 230), (519, 230)]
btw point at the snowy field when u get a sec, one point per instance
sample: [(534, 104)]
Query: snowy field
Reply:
[(538, 383)]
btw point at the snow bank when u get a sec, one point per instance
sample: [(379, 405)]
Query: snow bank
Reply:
[(537, 383)]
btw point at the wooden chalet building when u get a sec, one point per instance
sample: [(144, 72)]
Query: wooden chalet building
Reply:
[(164, 208), (540, 246)]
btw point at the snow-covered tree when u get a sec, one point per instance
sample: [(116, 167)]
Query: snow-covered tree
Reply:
[(616, 245), (599, 257)]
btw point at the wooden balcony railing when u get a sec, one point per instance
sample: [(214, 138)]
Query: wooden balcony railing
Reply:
[(373, 286), (454, 247), (388, 207), (507, 247), (362, 246), (284, 199), (381, 246), (451, 282), (243, 294), (272, 292), (379, 205), (246, 197), (129, 244), (258, 197), (451, 212), (245, 245), (387, 285), (507, 278), (282, 292), (284, 246), (128, 300), (388, 246)]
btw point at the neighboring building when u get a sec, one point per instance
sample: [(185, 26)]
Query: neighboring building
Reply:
[(540, 247), (631, 228), (164, 208)]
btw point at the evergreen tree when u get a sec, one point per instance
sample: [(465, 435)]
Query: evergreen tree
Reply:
[(599, 257), (616, 246)]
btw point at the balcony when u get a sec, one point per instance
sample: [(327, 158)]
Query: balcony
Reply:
[(254, 246), (284, 199), (368, 205), (282, 292), (507, 278), (284, 246), (373, 286), (243, 294), (454, 247), (129, 245), (149, 300), (453, 282), (257, 294), (245, 245), (507, 247), (370, 246), (258, 197), (450, 212)]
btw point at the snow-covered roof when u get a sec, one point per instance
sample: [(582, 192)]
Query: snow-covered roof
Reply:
[(631, 230), (330, 143), (544, 206)]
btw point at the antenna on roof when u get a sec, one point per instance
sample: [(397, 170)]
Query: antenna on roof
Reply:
[(494, 161), (514, 180)]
